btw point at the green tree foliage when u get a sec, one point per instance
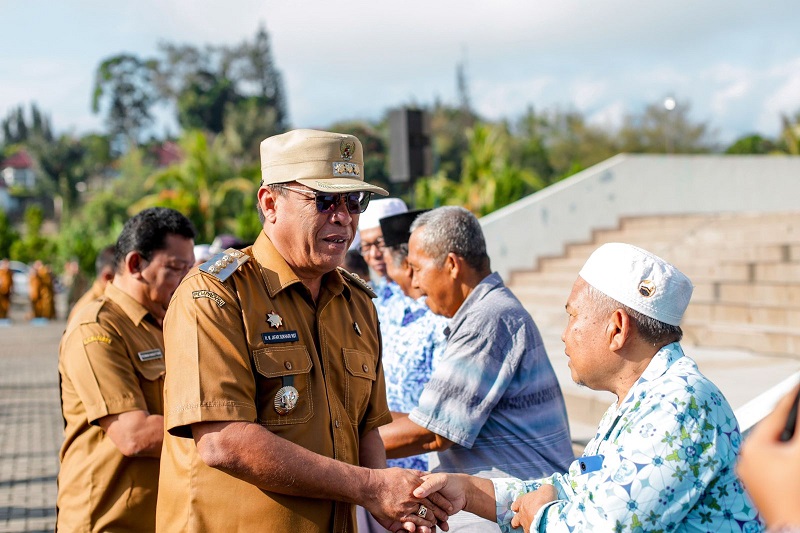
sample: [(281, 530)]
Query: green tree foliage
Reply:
[(8, 235), (219, 88), (204, 186), (658, 130), (489, 179), (791, 133), (751, 144), (574, 145), (62, 161), (124, 89), (17, 129), (33, 245), (449, 126)]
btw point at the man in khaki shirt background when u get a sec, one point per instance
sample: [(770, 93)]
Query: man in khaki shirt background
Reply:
[(111, 364), (104, 266), (274, 387)]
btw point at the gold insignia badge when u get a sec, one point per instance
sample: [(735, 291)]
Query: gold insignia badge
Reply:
[(286, 400), (210, 295), (647, 288), (358, 329), (274, 319), (97, 338), (348, 149)]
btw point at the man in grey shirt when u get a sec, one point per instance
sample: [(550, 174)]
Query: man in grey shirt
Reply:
[(493, 406)]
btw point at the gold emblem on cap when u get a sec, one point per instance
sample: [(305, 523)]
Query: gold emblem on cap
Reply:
[(274, 319), (647, 288), (286, 400), (347, 148)]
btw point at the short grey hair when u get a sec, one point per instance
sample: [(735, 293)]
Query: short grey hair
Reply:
[(650, 330), (452, 229), (397, 253), (274, 187)]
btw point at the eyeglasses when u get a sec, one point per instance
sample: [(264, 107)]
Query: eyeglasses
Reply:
[(355, 202), (366, 247)]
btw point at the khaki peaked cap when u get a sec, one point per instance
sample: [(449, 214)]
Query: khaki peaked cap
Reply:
[(321, 160)]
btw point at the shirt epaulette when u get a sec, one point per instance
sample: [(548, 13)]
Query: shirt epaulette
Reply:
[(223, 264), (88, 317), (357, 281)]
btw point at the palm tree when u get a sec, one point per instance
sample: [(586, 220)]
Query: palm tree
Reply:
[(198, 186)]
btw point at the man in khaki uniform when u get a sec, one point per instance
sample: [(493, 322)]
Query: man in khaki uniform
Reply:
[(111, 362), (42, 292), (6, 288), (104, 267), (274, 388)]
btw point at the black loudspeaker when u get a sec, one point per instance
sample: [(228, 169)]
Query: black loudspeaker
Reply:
[(409, 145)]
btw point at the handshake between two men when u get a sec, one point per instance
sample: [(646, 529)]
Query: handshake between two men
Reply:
[(442, 495)]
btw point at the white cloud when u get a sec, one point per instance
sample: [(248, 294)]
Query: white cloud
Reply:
[(737, 65)]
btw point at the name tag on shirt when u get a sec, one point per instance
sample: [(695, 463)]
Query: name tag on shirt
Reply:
[(149, 355), (279, 336), (591, 463)]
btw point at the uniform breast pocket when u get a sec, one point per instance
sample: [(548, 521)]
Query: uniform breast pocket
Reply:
[(151, 370), (283, 385), (361, 373)]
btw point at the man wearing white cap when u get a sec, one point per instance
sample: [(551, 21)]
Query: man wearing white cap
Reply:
[(663, 456), (371, 237), (274, 387)]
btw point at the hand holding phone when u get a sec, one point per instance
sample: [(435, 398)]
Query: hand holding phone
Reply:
[(769, 464), (791, 420)]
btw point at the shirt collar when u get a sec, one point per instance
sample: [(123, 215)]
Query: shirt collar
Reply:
[(278, 275), (663, 359), (133, 309), (486, 285)]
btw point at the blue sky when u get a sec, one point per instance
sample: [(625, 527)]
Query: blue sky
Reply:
[(736, 63)]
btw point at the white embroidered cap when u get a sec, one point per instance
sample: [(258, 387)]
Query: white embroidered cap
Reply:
[(640, 280), (378, 209)]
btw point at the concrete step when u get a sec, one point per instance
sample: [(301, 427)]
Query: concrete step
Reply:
[(762, 339), (764, 315), (752, 253), (777, 272), (687, 222), (769, 294), (777, 233), (523, 278)]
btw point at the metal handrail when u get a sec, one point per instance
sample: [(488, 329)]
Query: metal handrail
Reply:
[(756, 409)]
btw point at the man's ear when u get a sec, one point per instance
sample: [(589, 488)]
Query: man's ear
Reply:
[(267, 201), (135, 263), (618, 330), (452, 265)]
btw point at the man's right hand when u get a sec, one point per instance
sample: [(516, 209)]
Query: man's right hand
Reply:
[(464, 492), (393, 504), (452, 487)]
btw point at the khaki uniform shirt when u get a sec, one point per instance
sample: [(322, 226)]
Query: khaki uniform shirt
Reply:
[(111, 361), (94, 292), (6, 286), (226, 362)]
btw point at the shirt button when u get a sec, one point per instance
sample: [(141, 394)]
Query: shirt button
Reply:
[(288, 365), (365, 368), (336, 423)]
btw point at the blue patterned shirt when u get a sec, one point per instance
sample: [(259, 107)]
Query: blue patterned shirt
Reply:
[(669, 454), (413, 341), (494, 392)]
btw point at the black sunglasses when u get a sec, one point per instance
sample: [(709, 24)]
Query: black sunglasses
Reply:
[(327, 202)]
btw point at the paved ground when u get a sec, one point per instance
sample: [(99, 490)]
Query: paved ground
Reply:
[(30, 425)]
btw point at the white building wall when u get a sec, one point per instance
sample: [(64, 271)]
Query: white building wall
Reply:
[(634, 185)]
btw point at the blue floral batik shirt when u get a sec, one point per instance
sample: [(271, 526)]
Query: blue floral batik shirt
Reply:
[(668, 454), (413, 341)]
